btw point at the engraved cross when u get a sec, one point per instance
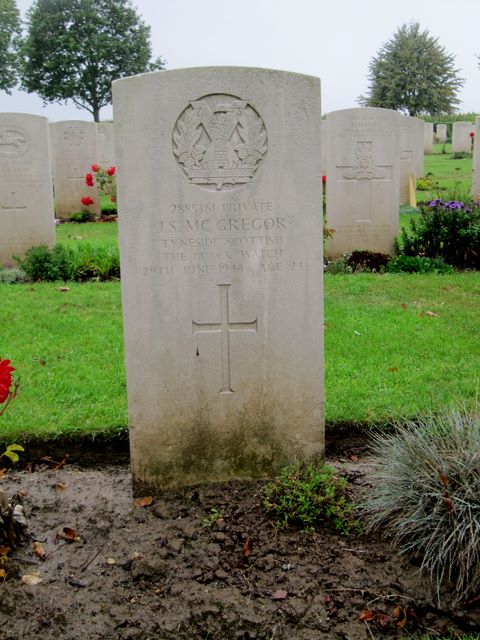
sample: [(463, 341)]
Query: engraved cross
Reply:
[(12, 203), (224, 328)]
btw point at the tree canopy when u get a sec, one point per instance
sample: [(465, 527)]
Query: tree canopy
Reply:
[(74, 49), (9, 34), (412, 73)]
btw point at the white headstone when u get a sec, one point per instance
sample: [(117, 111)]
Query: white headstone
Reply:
[(219, 198), (363, 179), (26, 196), (323, 129), (74, 150), (441, 133), (461, 138), (106, 144), (476, 161), (411, 154), (428, 137)]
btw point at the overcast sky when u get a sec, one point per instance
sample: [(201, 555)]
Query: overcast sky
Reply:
[(331, 39)]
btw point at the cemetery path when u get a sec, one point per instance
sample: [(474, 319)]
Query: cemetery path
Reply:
[(201, 563)]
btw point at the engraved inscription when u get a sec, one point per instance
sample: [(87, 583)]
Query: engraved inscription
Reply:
[(224, 328), (14, 141), (220, 140)]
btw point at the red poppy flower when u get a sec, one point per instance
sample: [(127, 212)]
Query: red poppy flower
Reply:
[(111, 171), (87, 201), (5, 379), (472, 134), (95, 168), (89, 180)]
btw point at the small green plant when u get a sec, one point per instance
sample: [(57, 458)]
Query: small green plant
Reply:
[(82, 216), (425, 495), (305, 496), (13, 276), (426, 183), (214, 516), (338, 266), (458, 155), (418, 264)]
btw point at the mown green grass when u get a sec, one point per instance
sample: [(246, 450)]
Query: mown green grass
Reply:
[(385, 357), (449, 174), (94, 233)]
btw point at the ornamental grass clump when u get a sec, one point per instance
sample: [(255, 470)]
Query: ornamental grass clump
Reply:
[(426, 497)]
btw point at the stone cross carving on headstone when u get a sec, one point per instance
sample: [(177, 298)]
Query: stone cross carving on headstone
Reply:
[(224, 327), (364, 168), (12, 203)]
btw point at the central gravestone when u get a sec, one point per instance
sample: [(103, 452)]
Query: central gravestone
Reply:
[(219, 197)]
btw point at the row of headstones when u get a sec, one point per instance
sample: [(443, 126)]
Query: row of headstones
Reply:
[(461, 136), (32, 151), (362, 206)]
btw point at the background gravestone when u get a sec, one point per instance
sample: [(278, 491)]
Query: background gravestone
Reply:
[(476, 161), (461, 139), (219, 198), (26, 196), (106, 144), (441, 133), (363, 179), (411, 154), (74, 150), (428, 137)]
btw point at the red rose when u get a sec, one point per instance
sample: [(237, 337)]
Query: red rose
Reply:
[(95, 168), (111, 171), (5, 379), (89, 180), (472, 133), (86, 200), (324, 179)]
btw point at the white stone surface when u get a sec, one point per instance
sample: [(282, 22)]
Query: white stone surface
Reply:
[(441, 133), (106, 144), (363, 179), (476, 161), (74, 150), (461, 139), (411, 154), (219, 199), (428, 137), (26, 195), (323, 129)]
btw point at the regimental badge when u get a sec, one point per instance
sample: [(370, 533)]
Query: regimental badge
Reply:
[(220, 140), (14, 141)]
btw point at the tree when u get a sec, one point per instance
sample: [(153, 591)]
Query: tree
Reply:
[(9, 34), (74, 49), (412, 73)]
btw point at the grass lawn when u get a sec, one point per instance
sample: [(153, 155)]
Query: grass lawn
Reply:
[(447, 172), (386, 354)]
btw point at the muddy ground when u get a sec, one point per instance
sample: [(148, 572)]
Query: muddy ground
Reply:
[(202, 563)]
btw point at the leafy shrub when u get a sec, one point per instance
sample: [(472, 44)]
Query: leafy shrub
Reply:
[(367, 261), (82, 216), (303, 496), (418, 264), (12, 276), (426, 183), (458, 155), (42, 263), (448, 230), (338, 266), (61, 263), (101, 263), (426, 496)]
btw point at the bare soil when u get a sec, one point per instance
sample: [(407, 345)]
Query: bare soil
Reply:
[(203, 563)]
